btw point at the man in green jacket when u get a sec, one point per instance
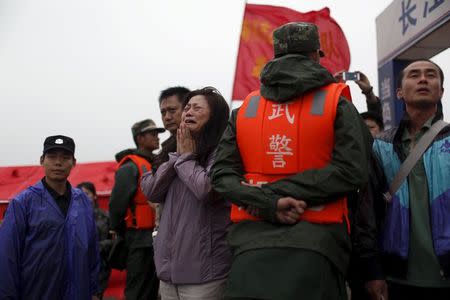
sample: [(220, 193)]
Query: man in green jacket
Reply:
[(141, 282), (279, 257)]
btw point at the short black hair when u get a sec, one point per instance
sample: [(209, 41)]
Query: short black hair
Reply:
[(440, 112), (89, 186), (402, 72), (179, 91), (374, 117)]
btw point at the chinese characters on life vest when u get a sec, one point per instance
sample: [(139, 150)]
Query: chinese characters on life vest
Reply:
[(278, 111), (279, 143)]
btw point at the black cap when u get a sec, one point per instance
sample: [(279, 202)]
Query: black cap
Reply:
[(59, 142)]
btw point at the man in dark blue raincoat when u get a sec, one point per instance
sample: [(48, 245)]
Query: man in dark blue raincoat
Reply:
[(48, 244)]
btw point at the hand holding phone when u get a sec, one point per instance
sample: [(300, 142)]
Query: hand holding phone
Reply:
[(354, 76)]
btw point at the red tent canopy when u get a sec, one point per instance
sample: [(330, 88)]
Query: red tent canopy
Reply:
[(17, 178)]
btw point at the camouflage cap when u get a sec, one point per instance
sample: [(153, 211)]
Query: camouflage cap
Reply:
[(145, 125), (296, 37)]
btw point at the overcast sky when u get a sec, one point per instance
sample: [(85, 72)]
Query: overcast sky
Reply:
[(91, 68)]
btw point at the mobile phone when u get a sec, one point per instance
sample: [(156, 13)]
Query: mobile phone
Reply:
[(350, 76)]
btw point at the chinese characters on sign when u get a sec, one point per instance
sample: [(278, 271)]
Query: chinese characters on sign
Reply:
[(427, 10), (387, 115), (386, 88), (409, 14), (385, 97), (406, 17)]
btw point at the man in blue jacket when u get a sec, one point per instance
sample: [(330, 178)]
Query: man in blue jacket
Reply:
[(409, 258), (48, 243)]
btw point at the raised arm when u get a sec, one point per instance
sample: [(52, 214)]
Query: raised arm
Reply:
[(372, 101)]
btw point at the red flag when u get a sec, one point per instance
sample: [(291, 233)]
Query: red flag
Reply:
[(256, 45)]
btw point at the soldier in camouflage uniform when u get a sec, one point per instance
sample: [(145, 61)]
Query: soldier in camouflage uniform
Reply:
[(141, 282), (278, 256), (102, 224)]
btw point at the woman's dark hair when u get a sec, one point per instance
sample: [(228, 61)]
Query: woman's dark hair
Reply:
[(209, 136), (89, 186)]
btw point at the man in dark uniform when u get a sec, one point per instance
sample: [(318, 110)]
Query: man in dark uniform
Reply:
[(130, 213)]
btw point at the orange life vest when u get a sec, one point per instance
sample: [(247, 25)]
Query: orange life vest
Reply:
[(277, 140), (141, 215)]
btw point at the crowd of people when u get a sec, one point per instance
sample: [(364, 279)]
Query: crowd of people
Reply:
[(295, 196)]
